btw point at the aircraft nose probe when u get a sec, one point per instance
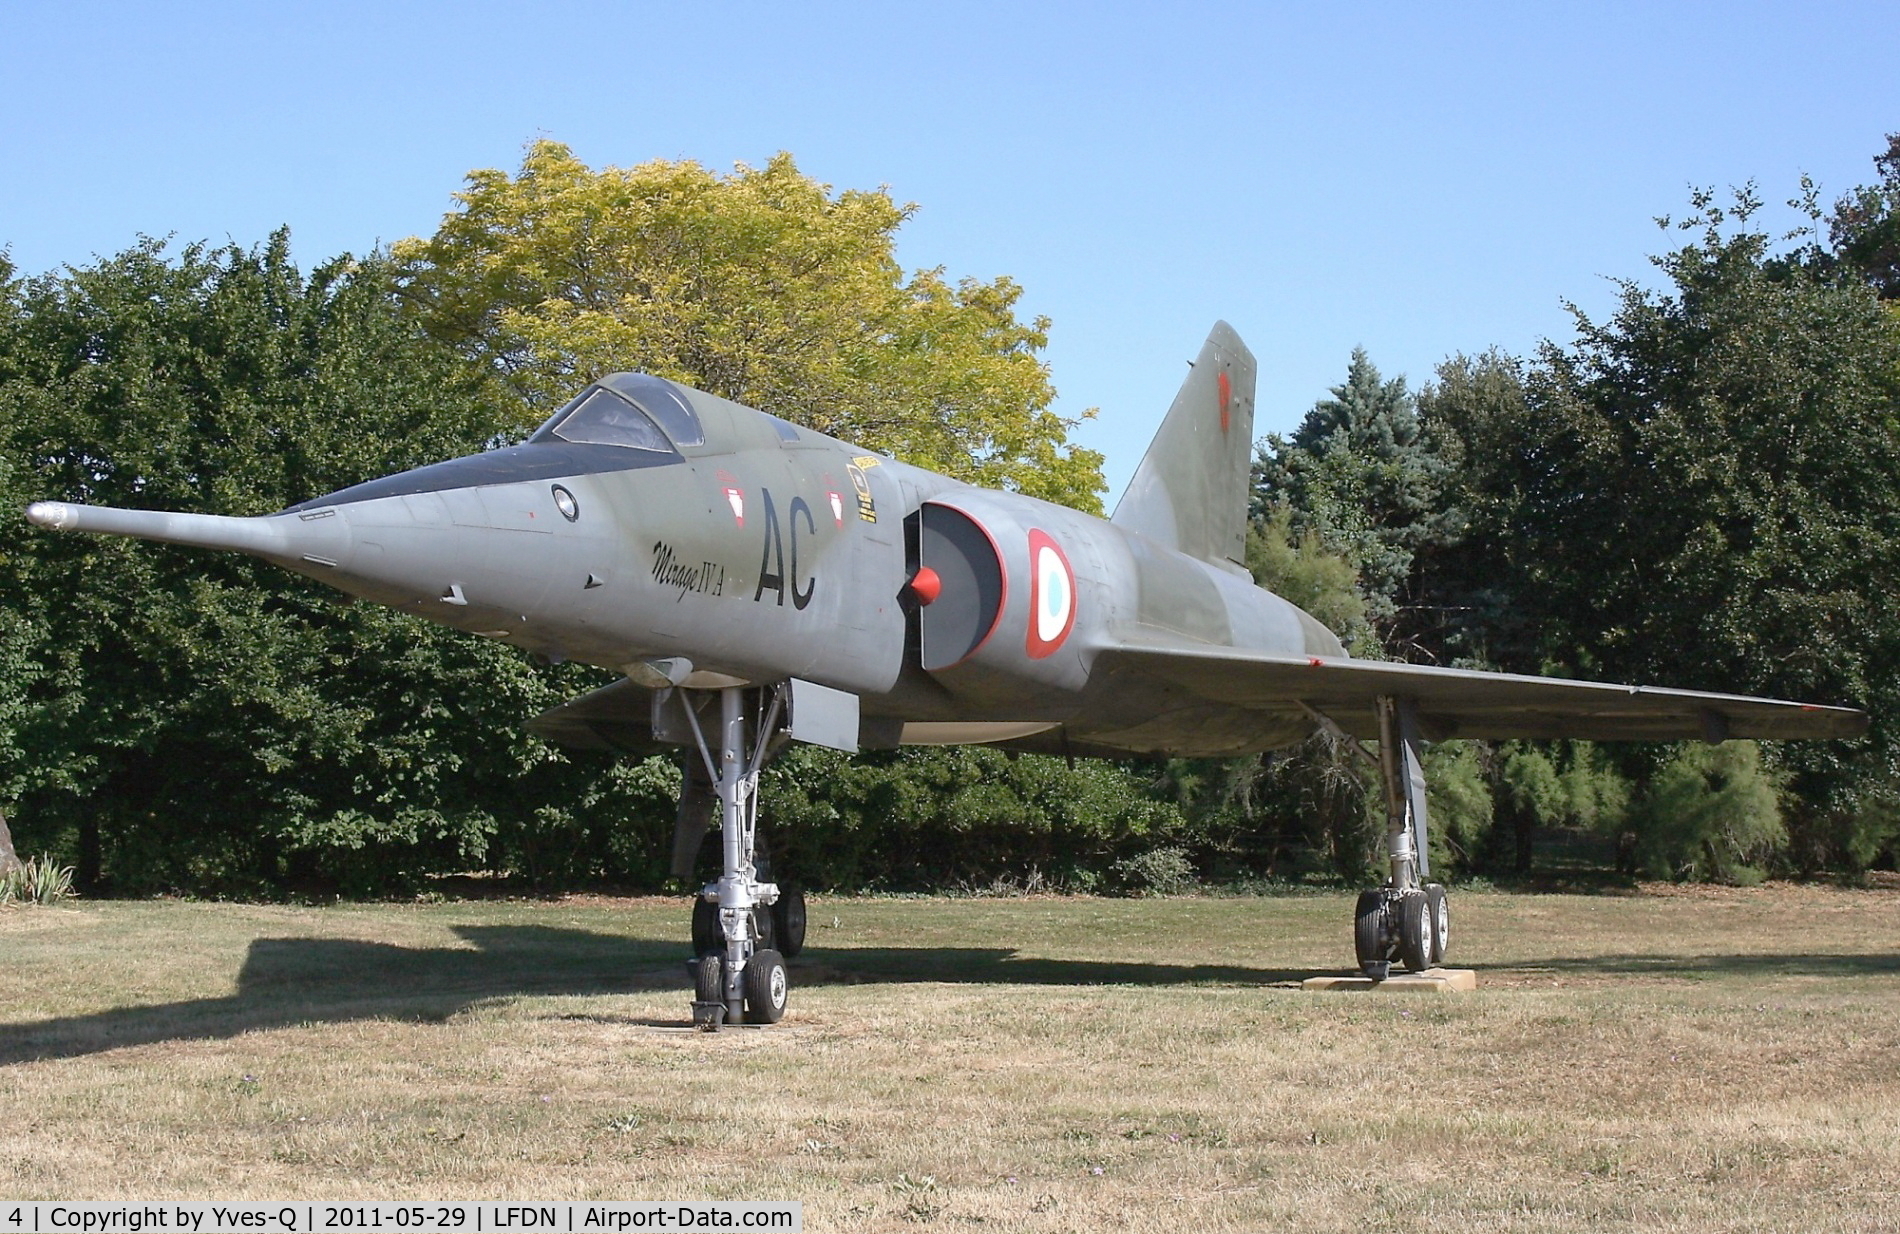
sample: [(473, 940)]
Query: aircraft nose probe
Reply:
[(297, 541), (263, 536)]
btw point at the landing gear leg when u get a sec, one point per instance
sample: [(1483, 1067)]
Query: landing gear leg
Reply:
[(1406, 919), (747, 735)]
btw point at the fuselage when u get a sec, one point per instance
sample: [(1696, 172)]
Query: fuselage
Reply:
[(752, 549), (649, 528)]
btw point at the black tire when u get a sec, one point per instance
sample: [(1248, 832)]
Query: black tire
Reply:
[(1415, 932), (1368, 933), (709, 980), (1438, 916), (708, 938), (765, 927), (788, 921), (767, 989)]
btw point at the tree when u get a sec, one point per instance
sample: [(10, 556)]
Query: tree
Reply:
[(1474, 411), (1300, 570), (1701, 491), (175, 719), (1710, 812), (763, 287), (1865, 226), (1362, 474)]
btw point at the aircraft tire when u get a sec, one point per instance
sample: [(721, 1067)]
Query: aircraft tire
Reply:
[(707, 937), (1415, 932), (709, 979), (1368, 933), (788, 921), (1438, 917), (767, 988)]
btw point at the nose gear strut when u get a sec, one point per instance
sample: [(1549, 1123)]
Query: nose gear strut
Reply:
[(748, 735)]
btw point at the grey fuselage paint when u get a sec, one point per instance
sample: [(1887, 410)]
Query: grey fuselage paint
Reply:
[(765, 551)]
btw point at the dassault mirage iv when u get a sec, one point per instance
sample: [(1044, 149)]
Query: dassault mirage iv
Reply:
[(755, 583)]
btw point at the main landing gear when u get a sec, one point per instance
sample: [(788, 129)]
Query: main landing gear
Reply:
[(1405, 919), (738, 974)]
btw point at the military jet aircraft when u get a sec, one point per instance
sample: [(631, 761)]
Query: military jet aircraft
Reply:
[(754, 582)]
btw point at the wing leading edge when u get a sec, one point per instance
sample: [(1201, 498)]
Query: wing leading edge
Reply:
[(1456, 702)]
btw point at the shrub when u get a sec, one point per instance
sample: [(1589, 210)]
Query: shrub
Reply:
[(1711, 813), (36, 881), (1163, 871)]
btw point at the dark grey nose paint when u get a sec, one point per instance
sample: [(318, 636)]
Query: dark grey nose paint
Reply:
[(541, 460)]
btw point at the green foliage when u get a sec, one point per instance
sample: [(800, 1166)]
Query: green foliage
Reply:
[(1458, 806), (37, 880), (1302, 571), (1853, 837), (762, 287), (1473, 411), (1164, 871), (932, 817), (1710, 812), (1330, 810), (205, 722), (1361, 473), (1529, 783), (1702, 491), (1865, 226)]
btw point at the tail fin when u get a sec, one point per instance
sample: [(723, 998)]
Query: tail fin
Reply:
[(1190, 492)]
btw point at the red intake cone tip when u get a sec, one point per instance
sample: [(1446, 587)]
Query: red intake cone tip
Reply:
[(925, 585)]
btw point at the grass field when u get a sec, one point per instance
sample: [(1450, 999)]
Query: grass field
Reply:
[(1705, 1059)]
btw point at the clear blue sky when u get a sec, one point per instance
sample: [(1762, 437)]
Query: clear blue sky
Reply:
[(1417, 179)]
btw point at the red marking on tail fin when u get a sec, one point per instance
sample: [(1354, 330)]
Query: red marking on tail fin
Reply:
[(1226, 397)]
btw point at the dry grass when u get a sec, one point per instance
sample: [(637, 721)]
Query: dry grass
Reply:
[(1712, 1060)]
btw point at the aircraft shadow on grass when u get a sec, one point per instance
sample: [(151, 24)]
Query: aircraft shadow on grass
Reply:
[(290, 981), (1696, 967)]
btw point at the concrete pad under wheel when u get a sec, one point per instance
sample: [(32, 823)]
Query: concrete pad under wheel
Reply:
[(1431, 981)]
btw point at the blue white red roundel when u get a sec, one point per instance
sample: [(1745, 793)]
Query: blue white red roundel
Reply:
[(1051, 596)]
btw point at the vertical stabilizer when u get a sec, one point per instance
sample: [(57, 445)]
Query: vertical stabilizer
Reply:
[(1190, 492)]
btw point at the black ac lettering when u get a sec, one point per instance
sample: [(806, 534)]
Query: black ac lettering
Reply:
[(799, 601), (772, 579)]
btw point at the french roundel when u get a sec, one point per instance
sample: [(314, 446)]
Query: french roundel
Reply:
[(1051, 596)]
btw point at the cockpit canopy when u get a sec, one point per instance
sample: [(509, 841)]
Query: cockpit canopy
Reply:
[(632, 410)]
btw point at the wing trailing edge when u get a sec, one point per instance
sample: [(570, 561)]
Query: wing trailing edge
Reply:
[(1456, 702)]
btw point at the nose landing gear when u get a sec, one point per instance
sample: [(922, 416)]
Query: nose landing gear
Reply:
[(737, 976)]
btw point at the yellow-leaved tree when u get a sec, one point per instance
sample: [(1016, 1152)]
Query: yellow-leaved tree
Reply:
[(763, 287)]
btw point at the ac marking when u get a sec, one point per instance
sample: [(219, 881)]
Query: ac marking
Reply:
[(772, 572)]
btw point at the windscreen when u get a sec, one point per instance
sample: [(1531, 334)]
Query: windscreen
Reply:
[(662, 400), (601, 417)]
